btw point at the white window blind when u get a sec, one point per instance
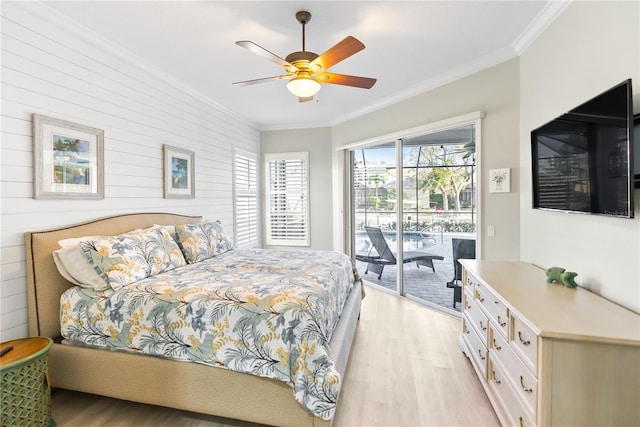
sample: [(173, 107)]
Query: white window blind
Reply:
[(287, 198), (246, 199)]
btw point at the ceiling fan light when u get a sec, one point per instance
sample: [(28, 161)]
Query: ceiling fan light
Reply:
[(303, 87)]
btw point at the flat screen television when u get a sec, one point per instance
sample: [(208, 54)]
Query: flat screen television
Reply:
[(583, 160), (636, 149)]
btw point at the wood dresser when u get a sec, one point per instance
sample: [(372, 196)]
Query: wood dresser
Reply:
[(548, 355)]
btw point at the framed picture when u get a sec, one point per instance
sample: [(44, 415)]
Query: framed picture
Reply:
[(500, 180), (179, 173), (68, 160)]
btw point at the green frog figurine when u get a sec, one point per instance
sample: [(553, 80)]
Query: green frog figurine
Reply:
[(560, 275)]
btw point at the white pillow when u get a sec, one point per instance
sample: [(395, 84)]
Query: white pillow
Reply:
[(74, 266)]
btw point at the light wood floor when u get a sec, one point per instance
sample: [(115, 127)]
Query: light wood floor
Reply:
[(405, 369)]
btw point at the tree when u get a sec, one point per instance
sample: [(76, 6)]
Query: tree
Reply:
[(458, 180), (437, 179), (66, 145), (376, 179), (66, 149), (443, 175)]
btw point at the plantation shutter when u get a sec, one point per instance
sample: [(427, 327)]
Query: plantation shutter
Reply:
[(287, 199), (246, 199)]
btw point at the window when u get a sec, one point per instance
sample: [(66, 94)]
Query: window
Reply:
[(287, 199), (246, 199)]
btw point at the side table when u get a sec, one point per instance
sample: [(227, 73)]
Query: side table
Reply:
[(25, 388)]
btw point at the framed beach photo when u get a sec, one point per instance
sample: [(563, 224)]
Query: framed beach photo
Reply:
[(179, 173), (68, 160)]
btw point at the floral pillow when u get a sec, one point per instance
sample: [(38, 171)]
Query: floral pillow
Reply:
[(202, 241), (133, 256), (161, 251)]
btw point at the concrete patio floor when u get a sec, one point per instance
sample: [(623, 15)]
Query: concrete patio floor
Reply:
[(421, 282)]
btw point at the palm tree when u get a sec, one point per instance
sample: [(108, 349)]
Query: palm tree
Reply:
[(65, 149), (376, 179), (66, 145)]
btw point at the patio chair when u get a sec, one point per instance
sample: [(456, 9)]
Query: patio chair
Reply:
[(384, 255), (462, 249)]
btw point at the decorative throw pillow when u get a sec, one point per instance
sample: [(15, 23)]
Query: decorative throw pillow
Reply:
[(161, 250), (133, 256), (171, 229), (202, 241), (120, 260)]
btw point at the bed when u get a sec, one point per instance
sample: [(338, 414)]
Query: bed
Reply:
[(169, 382)]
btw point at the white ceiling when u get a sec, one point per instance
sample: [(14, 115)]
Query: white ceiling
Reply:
[(411, 47)]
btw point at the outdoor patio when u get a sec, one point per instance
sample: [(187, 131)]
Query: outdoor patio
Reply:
[(421, 282)]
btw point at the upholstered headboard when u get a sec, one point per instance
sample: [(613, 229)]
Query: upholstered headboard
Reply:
[(45, 285)]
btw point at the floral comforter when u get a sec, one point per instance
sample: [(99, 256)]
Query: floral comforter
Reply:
[(264, 312)]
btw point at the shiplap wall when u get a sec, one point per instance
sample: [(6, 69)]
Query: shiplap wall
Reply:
[(54, 67)]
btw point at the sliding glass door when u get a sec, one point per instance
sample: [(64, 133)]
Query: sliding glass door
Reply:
[(374, 207), (413, 200), (439, 190)]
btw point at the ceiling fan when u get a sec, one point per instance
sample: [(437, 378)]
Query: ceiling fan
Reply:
[(306, 70)]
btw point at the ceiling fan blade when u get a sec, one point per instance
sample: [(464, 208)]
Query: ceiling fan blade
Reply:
[(262, 80), (337, 53), (259, 50), (345, 80)]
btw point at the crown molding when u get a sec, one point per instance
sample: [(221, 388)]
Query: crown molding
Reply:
[(40, 10), (536, 27), (548, 14), (450, 76)]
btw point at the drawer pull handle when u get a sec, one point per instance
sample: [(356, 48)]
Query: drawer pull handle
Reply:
[(466, 331), (527, 342), (496, 302), (496, 346), (481, 299), (521, 422), (495, 380), (524, 387), (484, 328), (480, 354), (503, 324)]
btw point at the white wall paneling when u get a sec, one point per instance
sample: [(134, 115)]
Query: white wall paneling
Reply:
[(67, 72)]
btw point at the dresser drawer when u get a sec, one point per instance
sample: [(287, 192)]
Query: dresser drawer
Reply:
[(525, 342), (475, 346), (467, 294), (501, 386), (477, 318), (497, 310), (471, 281), (523, 382)]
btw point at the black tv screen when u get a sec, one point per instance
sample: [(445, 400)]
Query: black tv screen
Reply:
[(583, 160), (636, 148)]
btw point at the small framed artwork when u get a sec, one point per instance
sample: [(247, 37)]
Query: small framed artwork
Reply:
[(68, 160), (179, 173), (500, 180)]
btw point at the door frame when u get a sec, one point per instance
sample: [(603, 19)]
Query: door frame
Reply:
[(344, 217)]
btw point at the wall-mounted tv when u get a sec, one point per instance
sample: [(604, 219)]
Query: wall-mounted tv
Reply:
[(636, 149), (583, 160)]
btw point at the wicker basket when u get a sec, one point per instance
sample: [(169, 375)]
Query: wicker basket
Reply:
[(26, 394)]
